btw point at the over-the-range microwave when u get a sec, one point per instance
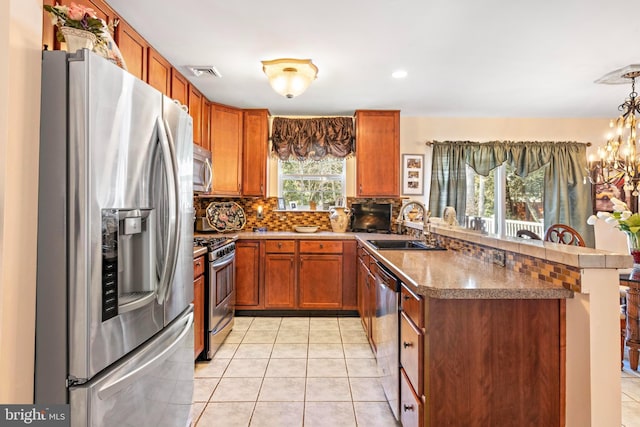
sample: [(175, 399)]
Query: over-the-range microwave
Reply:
[(202, 170)]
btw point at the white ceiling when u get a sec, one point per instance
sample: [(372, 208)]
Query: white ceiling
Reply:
[(479, 58)]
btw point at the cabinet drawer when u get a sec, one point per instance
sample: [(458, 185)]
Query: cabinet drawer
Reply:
[(280, 246), (411, 343), (321, 246), (411, 407), (363, 254), (198, 266), (413, 307)]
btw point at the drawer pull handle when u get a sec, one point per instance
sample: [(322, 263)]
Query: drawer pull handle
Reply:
[(407, 344), (407, 407)]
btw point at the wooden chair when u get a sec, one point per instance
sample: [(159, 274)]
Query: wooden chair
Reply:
[(527, 234), (563, 234)]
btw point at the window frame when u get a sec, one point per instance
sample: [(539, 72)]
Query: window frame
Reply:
[(335, 177)]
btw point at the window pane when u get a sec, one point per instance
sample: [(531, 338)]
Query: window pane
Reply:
[(480, 199), (318, 181), (524, 204)]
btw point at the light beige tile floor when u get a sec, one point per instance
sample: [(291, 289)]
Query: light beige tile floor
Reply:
[(292, 371), (300, 371)]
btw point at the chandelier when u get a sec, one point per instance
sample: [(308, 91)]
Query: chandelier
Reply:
[(618, 159), (290, 77)]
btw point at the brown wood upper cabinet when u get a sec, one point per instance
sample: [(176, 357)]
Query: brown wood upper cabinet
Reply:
[(159, 72), (196, 101), (254, 159), (133, 49), (179, 87), (206, 124), (226, 150), (378, 153)]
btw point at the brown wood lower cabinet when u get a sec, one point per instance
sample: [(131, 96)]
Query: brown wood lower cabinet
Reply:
[(366, 294), (320, 281), (279, 281), (248, 294), (198, 305), (291, 274), (493, 362)]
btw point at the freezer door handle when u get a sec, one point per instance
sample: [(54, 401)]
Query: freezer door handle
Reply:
[(168, 345), (176, 207)]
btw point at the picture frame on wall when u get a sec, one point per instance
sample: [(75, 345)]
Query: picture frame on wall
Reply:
[(281, 204), (602, 194), (413, 174)]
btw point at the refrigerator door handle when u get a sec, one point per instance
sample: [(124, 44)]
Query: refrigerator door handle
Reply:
[(176, 208), (168, 265), (168, 346)]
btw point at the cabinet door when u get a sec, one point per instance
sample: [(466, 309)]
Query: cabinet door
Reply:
[(279, 281), (198, 316), (179, 87), (371, 301), (349, 265), (320, 281), (363, 294), (378, 153), (206, 124), (254, 159), (195, 110), (159, 72), (226, 149), (133, 49), (248, 274)]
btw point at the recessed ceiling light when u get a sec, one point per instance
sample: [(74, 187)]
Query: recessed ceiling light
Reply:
[(400, 74)]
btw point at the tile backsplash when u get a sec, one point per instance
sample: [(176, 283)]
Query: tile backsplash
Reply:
[(276, 220)]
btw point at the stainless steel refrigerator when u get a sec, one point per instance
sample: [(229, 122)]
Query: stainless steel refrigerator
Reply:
[(114, 326)]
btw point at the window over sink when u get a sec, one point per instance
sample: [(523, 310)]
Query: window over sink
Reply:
[(312, 184)]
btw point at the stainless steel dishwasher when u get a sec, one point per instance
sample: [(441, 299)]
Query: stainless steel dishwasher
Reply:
[(387, 331)]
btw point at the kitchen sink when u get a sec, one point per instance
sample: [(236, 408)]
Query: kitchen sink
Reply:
[(411, 245)]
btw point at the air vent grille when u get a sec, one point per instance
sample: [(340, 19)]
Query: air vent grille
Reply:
[(204, 70)]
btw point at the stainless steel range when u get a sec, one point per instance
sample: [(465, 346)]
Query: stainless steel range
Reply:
[(220, 293)]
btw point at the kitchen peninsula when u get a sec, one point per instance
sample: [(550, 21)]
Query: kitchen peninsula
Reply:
[(506, 329)]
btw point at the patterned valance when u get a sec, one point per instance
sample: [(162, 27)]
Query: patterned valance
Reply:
[(312, 139)]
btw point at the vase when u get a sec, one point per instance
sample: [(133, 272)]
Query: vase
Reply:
[(78, 39), (634, 245), (339, 218)]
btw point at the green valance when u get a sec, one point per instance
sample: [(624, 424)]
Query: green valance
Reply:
[(312, 139)]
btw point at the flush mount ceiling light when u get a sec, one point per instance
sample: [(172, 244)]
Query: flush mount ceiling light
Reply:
[(290, 77)]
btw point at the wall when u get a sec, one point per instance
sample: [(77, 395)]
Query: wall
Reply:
[(20, 39)]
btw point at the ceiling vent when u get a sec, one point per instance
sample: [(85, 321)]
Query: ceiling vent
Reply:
[(204, 70)]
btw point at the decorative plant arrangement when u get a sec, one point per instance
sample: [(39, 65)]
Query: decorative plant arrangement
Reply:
[(80, 27), (78, 17), (624, 220)]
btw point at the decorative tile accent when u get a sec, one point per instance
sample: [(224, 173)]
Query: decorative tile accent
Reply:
[(276, 220), (537, 268)]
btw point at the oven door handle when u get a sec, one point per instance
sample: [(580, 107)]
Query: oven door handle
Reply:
[(224, 261)]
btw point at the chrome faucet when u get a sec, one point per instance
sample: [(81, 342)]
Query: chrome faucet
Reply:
[(426, 217)]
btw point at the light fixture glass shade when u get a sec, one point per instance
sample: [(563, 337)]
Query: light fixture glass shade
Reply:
[(290, 77)]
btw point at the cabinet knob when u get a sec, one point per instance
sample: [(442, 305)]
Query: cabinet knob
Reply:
[(321, 246), (406, 407), (279, 245), (406, 297), (407, 344)]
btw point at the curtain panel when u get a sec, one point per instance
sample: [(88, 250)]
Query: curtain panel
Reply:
[(312, 139), (567, 199)]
